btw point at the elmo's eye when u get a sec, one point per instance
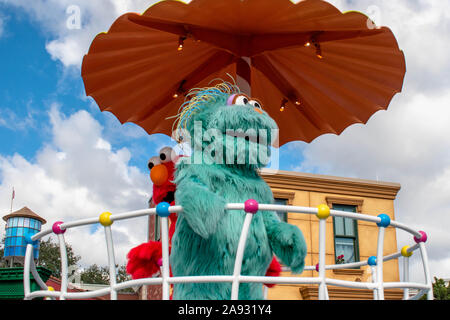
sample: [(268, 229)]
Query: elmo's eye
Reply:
[(241, 99), (154, 161), (255, 103), (166, 154)]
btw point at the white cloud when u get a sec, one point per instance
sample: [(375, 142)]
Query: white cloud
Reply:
[(69, 44), (79, 175), (407, 144), (10, 120), (422, 30)]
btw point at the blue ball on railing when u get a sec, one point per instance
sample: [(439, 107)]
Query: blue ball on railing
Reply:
[(372, 261), (385, 220), (162, 209)]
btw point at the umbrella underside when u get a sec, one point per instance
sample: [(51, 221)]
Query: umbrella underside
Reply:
[(329, 69)]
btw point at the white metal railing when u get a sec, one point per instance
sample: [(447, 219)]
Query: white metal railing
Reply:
[(322, 212)]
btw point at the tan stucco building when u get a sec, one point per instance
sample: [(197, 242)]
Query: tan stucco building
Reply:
[(356, 239)]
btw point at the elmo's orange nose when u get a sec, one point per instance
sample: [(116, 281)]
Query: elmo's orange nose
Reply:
[(159, 174), (258, 110)]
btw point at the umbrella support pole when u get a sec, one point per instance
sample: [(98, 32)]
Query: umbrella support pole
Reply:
[(243, 75)]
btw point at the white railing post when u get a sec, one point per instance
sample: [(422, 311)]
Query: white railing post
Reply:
[(111, 262), (163, 210), (323, 212), (406, 277), (406, 254), (374, 280), (379, 268), (240, 256), (322, 256), (384, 222), (165, 258), (265, 292), (106, 222)]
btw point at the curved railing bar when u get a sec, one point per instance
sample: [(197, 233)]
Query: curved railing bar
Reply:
[(426, 269), (26, 270), (399, 225), (138, 282), (377, 285), (64, 266), (419, 294), (70, 295), (36, 276), (230, 206)]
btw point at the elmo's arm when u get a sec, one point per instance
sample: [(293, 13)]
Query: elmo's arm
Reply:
[(143, 260)]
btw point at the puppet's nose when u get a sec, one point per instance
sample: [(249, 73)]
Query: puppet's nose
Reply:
[(258, 110), (159, 174)]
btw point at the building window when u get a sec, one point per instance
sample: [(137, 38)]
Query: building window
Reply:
[(346, 235), (282, 214), (283, 198)]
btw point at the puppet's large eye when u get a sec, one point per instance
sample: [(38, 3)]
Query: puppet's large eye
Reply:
[(241, 100), (154, 161), (166, 154), (255, 103)]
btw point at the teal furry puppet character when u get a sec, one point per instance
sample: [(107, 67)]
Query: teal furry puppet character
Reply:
[(230, 136)]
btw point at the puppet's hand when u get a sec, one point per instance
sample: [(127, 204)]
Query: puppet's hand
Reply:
[(288, 243), (144, 260)]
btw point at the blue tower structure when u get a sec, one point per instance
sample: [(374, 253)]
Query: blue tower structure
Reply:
[(20, 225)]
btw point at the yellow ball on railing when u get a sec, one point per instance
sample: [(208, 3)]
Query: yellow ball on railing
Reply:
[(105, 219), (323, 211), (405, 252)]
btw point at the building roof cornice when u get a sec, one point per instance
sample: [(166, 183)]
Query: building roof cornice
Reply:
[(330, 184)]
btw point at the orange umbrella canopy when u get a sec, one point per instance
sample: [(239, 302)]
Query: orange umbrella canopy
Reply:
[(315, 69)]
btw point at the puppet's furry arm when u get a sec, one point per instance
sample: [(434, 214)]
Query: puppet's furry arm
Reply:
[(202, 208), (286, 240)]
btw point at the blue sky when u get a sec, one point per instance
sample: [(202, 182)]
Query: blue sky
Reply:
[(68, 160), (31, 81)]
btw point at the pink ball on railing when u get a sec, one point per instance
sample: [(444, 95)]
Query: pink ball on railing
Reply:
[(251, 206), (317, 267), (423, 238), (159, 262), (56, 228)]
